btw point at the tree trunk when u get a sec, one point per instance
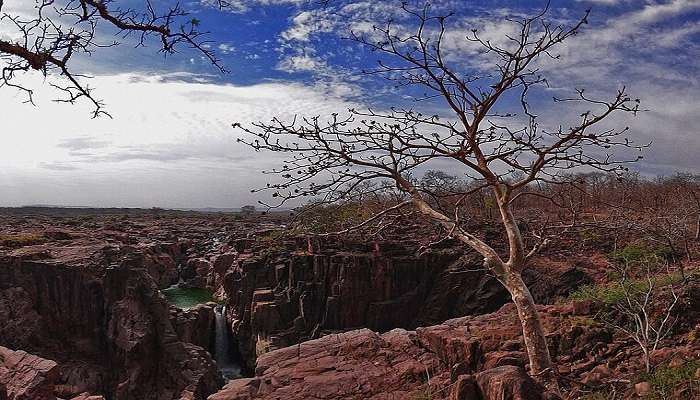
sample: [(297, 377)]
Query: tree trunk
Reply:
[(541, 366)]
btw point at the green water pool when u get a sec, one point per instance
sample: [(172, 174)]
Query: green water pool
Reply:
[(187, 297)]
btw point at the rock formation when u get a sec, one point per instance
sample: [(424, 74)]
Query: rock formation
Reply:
[(81, 311), (24, 376), (285, 292), (469, 358), (94, 308)]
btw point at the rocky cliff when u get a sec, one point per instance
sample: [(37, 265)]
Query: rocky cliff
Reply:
[(285, 292), (92, 304)]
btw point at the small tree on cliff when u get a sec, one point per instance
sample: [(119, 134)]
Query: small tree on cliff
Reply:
[(506, 152)]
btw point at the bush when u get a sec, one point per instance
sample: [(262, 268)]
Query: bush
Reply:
[(610, 293), (323, 219), (639, 253), (262, 345), (639, 264), (666, 380)]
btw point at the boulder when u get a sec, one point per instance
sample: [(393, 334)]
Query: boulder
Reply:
[(465, 388), (24, 376), (509, 383)]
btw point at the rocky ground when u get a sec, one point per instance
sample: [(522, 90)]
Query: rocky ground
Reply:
[(81, 314), (469, 358)]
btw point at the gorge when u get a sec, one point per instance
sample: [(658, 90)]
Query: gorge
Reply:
[(210, 307)]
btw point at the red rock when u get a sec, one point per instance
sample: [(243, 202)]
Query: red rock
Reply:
[(584, 307), (195, 325), (642, 388), (509, 383), (662, 355), (238, 389), (57, 234), (365, 365), (87, 396), (24, 376), (359, 364), (500, 358), (332, 286), (465, 389), (62, 310)]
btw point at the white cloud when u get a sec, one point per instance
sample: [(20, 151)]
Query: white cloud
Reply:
[(611, 51), (606, 2), (170, 143), (302, 63), (226, 48), (307, 23), (242, 6)]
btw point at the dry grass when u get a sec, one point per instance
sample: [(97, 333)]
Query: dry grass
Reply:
[(262, 345), (21, 239)]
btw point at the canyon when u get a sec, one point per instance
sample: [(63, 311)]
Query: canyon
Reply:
[(86, 313)]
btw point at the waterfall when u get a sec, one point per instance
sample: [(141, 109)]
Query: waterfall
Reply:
[(222, 350)]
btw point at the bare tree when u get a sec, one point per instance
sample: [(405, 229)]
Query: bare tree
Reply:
[(689, 185), (644, 312), (331, 156), (50, 38)]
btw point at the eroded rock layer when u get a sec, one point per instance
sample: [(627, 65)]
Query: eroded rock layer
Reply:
[(302, 289), (91, 303)]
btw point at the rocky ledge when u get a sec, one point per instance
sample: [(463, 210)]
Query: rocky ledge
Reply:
[(24, 376), (469, 358)]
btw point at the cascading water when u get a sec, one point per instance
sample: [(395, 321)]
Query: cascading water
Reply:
[(222, 351)]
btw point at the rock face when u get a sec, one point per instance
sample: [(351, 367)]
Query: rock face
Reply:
[(82, 289), (282, 300), (106, 324), (24, 376), (313, 288), (195, 325), (439, 362)]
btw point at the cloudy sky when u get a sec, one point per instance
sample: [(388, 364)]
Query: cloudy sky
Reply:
[(170, 141)]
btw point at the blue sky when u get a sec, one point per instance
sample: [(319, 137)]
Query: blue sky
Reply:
[(170, 142)]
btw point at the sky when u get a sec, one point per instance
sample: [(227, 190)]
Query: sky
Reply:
[(170, 142)]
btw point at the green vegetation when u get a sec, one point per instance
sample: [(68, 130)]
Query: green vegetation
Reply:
[(610, 293), (21, 239), (600, 395), (638, 260), (273, 240), (272, 236), (581, 320), (186, 298), (666, 380), (322, 219), (639, 253), (426, 394), (590, 236)]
